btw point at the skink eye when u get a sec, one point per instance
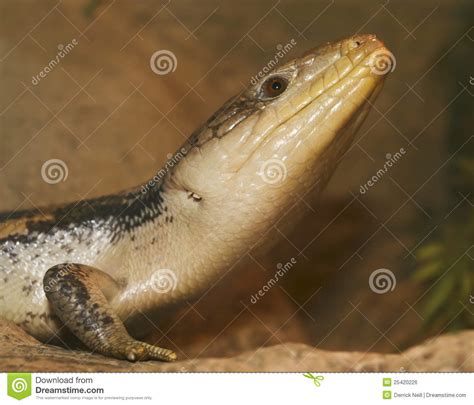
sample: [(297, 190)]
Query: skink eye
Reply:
[(273, 87)]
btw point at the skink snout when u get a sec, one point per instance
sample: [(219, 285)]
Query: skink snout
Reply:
[(369, 51), (367, 42)]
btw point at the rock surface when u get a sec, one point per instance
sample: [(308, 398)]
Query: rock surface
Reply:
[(453, 352)]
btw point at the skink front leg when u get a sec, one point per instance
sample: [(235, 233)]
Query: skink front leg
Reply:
[(77, 294)]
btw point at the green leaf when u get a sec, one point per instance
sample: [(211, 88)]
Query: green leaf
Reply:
[(428, 271), (466, 165), (466, 286), (429, 251), (439, 296)]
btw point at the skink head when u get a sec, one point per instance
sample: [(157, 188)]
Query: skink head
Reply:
[(283, 134)]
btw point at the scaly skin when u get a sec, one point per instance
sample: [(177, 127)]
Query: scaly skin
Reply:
[(90, 267)]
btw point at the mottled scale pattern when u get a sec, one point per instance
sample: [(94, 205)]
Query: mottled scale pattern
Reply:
[(93, 232)]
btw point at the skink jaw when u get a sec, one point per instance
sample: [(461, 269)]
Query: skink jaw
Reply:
[(327, 88)]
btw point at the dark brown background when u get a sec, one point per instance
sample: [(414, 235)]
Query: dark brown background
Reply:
[(117, 130)]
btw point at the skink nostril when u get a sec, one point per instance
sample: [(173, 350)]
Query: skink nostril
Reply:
[(361, 40)]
